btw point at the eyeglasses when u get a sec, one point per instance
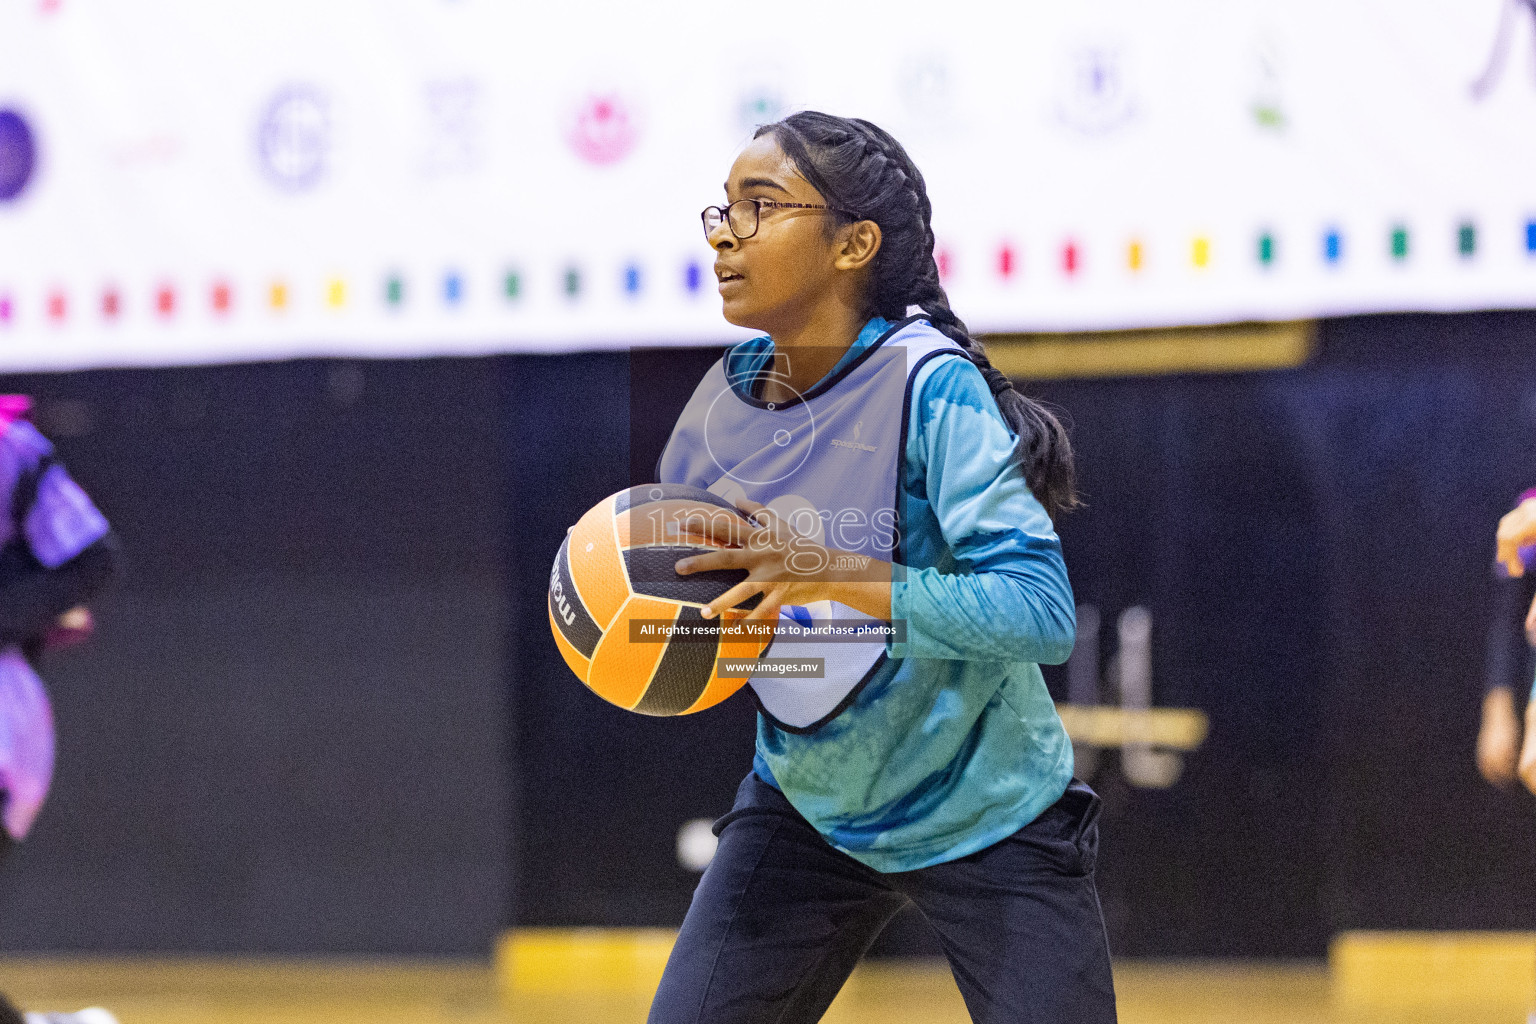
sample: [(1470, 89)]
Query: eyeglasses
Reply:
[(743, 214)]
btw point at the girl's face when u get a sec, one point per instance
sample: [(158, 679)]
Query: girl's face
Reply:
[(771, 281)]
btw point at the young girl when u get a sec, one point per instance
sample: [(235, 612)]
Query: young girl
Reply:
[(893, 477)]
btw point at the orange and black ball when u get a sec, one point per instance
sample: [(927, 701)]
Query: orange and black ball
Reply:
[(614, 591)]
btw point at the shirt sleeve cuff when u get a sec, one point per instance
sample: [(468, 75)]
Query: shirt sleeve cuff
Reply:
[(899, 598)]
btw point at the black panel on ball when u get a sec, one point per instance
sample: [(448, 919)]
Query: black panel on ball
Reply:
[(684, 670), (652, 572), (565, 604)]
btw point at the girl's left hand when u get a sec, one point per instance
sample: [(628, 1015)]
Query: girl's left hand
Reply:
[(781, 565)]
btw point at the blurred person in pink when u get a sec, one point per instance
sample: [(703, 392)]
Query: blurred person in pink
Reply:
[(56, 552)]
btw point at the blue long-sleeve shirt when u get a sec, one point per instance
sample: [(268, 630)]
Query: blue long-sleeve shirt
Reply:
[(955, 743)]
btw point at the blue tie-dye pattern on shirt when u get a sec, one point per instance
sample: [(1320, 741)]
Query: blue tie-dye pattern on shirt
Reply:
[(955, 744)]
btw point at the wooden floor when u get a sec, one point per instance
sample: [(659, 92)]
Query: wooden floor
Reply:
[(274, 992)]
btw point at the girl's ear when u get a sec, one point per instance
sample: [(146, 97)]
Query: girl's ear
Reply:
[(860, 241)]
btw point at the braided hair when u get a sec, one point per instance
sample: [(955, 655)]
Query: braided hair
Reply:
[(858, 166)]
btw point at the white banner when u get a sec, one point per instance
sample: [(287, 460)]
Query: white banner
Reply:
[(194, 181)]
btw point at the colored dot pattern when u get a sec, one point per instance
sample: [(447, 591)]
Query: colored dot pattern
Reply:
[(1006, 261), (1200, 252), (163, 302), (1333, 246)]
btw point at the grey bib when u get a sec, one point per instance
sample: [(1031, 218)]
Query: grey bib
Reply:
[(828, 462)]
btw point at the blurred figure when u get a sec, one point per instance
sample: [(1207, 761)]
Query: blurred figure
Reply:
[(56, 552), (1501, 756), (1509, 666), (1516, 537)]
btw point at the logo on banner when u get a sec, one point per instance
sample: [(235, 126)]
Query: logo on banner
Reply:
[(604, 130), (1094, 97), (1268, 105), (1514, 12), (453, 126), (927, 91), (293, 139), (18, 155)]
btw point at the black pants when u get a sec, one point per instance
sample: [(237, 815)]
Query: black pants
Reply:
[(780, 918)]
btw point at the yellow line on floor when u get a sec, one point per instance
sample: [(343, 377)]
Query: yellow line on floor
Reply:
[(543, 960), (1401, 969), (261, 991)]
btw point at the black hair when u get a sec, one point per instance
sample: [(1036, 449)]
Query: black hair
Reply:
[(858, 167)]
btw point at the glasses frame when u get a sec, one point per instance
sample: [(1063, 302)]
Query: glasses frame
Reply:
[(724, 213)]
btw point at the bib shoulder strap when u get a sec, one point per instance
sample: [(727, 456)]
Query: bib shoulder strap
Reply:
[(920, 339)]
